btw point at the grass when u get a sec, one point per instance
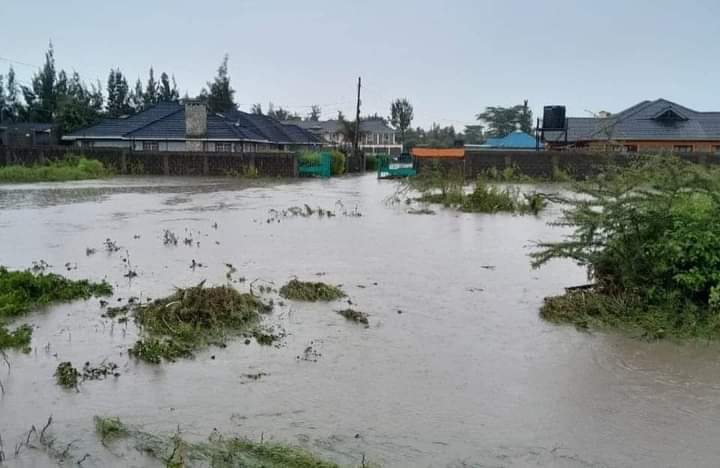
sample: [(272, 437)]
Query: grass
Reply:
[(631, 313), (110, 428), (71, 168), (22, 291), (194, 318), (310, 291), (216, 452), (486, 198)]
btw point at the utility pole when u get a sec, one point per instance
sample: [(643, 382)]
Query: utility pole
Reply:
[(357, 126)]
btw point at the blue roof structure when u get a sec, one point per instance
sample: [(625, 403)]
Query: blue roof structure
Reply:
[(516, 140)]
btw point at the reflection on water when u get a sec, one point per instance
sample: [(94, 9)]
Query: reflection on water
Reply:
[(455, 370)]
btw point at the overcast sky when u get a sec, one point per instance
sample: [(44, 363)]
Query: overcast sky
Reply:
[(450, 58)]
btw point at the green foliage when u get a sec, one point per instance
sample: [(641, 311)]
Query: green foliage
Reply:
[(502, 121), (447, 187), (110, 428), (220, 95), (21, 291), (216, 452), (338, 162), (192, 319), (309, 291), (18, 339), (72, 167), (650, 232), (508, 174), (66, 375), (401, 116)]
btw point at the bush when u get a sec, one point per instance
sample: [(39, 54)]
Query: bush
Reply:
[(338, 162), (650, 232), (371, 163), (72, 167)]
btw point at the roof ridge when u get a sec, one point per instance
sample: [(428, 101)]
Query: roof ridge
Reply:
[(165, 116)]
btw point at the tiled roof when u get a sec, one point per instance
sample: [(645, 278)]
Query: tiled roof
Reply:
[(166, 121), (644, 121)]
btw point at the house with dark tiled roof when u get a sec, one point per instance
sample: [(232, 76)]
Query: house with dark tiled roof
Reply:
[(28, 134), (190, 127), (659, 125), (376, 136)]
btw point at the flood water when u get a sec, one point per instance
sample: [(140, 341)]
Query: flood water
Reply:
[(456, 368)]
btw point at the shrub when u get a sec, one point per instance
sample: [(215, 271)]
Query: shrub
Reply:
[(338, 162), (650, 232)]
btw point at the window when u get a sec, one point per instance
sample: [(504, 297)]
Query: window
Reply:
[(150, 146), (683, 148), (223, 147), (631, 148), (716, 149)]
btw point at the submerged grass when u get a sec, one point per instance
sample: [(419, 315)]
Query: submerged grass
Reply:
[(216, 452), (21, 291), (310, 291), (194, 318), (486, 198), (71, 168)]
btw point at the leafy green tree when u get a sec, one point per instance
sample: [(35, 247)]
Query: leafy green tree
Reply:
[(220, 93), (137, 97), (168, 93), (401, 116), (118, 101), (76, 106), (3, 102), (256, 109), (474, 134), (151, 95), (12, 101), (502, 121), (314, 115), (281, 114)]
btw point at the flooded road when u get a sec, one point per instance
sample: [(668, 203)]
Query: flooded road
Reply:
[(456, 368)]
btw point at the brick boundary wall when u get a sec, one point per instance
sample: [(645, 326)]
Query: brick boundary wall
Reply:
[(122, 161), (542, 164)]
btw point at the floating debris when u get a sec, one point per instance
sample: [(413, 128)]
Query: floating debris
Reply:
[(169, 238), (111, 245), (89, 251), (354, 315), (421, 211)]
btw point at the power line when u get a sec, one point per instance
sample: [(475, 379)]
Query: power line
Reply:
[(25, 64)]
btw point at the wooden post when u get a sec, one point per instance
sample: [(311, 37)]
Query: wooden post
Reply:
[(166, 165), (206, 165), (555, 165), (508, 161)]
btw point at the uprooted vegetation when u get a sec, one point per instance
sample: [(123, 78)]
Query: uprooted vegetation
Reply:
[(306, 211), (217, 451), (354, 316), (22, 291), (195, 318), (649, 236), (69, 377), (447, 188), (310, 291)]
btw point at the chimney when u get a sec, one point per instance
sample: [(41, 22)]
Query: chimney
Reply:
[(195, 119)]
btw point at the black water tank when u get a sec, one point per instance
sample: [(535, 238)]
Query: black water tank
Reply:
[(554, 118)]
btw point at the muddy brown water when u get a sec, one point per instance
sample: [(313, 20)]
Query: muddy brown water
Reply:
[(466, 375)]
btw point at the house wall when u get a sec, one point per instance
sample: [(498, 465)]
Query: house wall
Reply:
[(653, 145)]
